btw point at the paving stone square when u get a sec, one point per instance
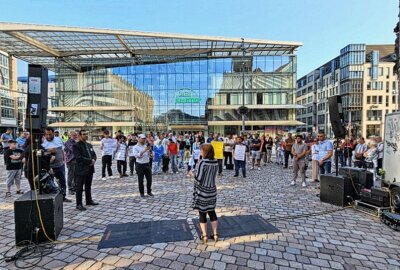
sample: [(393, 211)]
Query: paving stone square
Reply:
[(344, 239)]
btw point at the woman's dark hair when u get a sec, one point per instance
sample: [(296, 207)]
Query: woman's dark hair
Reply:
[(208, 150)]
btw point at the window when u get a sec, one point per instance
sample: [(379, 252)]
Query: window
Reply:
[(394, 86), (387, 87), (380, 71), (373, 130), (387, 101), (259, 98), (380, 99), (7, 113), (374, 115), (368, 99), (394, 99), (374, 99), (234, 99)]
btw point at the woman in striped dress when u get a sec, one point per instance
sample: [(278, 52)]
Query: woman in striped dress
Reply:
[(205, 191)]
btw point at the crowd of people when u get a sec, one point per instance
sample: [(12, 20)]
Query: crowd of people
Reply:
[(203, 158)]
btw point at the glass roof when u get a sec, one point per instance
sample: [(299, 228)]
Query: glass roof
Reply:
[(81, 47)]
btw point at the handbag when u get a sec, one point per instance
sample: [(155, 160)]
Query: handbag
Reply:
[(47, 183)]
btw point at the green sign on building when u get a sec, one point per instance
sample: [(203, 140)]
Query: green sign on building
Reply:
[(186, 95)]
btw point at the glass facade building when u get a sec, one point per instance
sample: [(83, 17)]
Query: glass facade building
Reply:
[(189, 95), (115, 79)]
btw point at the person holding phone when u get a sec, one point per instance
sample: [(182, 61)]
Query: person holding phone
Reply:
[(141, 151)]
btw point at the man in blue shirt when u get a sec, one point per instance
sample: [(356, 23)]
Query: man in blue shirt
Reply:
[(325, 152), (21, 140)]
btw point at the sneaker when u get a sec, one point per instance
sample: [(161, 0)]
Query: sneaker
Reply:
[(141, 195), (252, 168), (304, 184), (293, 183), (8, 194), (259, 168), (66, 200), (236, 175), (150, 194), (104, 178), (131, 174)]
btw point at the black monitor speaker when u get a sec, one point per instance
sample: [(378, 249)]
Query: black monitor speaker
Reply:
[(336, 116), (336, 190), (27, 223)]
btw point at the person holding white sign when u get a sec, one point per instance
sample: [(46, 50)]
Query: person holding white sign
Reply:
[(239, 156)]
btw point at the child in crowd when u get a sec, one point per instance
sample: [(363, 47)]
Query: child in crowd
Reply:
[(13, 159)]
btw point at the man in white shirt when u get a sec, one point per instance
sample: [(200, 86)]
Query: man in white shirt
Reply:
[(141, 152), (108, 148), (239, 156), (358, 154), (52, 145), (228, 143)]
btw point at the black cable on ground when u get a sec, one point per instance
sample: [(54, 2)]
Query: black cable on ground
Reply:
[(30, 255), (308, 215)]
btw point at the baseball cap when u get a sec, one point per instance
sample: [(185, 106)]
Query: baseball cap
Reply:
[(142, 136)]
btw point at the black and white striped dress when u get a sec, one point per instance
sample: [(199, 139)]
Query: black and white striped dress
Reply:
[(205, 190)]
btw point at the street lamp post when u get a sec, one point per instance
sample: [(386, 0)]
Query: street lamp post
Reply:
[(243, 82)]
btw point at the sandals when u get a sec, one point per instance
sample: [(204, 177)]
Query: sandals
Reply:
[(20, 192), (215, 237), (8, 194), (204, 238)]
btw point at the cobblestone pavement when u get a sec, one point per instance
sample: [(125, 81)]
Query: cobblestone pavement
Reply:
[(341, 240)]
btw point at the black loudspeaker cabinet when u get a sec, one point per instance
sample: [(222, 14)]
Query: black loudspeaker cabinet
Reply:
[(37, 98), (336, 116), (27, 218), (336, 190), (360, 177)]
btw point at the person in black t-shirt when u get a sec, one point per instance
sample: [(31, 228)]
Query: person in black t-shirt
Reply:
[(255, 151), (13, 158), (270, 144)]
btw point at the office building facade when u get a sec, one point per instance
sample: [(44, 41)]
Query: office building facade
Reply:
[(363, 76), (8, 92)]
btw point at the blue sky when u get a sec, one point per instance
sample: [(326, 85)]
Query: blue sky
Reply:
[(324, 27)]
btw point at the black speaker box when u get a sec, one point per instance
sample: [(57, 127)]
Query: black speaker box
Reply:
[(336, 190), (336, 116), (37, 98), (27, 218), (359, 176)]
